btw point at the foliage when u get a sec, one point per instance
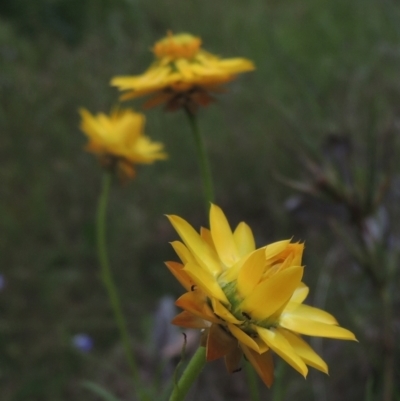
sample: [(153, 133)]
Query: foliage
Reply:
[(323, 67)]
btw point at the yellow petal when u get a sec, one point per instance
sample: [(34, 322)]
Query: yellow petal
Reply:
[(312, 328), (219, 343), (201, 250), (205, 233), (243, 337), (222, 236), (275, 248), (177, 270), (306, 353), (278, 343), (232, 273), (309, 312), (251, 271), (263, 364), (244, 240), (300, 293), (206, 281), (272, 293), (183, 253), (224, 313)]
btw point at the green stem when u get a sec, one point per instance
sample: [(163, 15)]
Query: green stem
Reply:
[(251, 377), (203, 160), (108, 280), (389, 342), (279, 389), (189, 375)]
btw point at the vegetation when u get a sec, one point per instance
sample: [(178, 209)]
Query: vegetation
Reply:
[(322, 106)]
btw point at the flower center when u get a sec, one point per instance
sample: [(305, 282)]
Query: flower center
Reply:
[(182, 45), (248, 321)]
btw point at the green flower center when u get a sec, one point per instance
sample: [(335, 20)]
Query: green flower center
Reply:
[(235, 301)]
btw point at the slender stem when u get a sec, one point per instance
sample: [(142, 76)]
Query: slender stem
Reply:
[(189, 375), (108, 280), (388, 338), (203, 160), (251, 377), (278, 389)]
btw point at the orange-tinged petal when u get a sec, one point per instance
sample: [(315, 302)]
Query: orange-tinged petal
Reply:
[(251, 271), (222, 236), (224, 313), (204, 254), (243, 337), (233, 359), (206, 281), (244, 239), (272, 293), (219, 343), (195, 303), (278, 343), (263, 364), (176, 269), (309, 312), (306, 353), (190, 321), (312, 328)]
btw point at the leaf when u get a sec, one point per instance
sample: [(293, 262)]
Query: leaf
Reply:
[(100, 391)]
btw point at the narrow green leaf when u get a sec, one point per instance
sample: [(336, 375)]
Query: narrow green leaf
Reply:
[(100, 391)]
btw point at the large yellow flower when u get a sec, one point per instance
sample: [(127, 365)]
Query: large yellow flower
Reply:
[(183, 75), (248, 301), (119, 141)]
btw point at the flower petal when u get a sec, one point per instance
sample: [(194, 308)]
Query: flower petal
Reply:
[(272, 293), (312, 328), (276, 248), (222, 236), (201, 250), (219, 343), (206, 281), (306, 353), (224, 313), (309, 312), (205, 233), (244, 240), (195, 303), (177, 270), (243, 337), (190, 321), (263, 364), (233, 359), (251, 272), (278, 343), (300, 293), (183, 253)]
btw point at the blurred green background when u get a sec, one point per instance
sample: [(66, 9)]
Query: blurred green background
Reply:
[(323, 67)]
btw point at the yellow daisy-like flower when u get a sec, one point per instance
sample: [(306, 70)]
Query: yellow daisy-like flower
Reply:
[(119, 141), (248, 301), (183, 74)]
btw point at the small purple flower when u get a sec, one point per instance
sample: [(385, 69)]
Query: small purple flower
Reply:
[(2, 282), (82, 342)]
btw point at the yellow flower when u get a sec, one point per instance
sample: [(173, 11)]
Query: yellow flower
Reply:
[(119, 141), (183, 75), (248, 301)]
